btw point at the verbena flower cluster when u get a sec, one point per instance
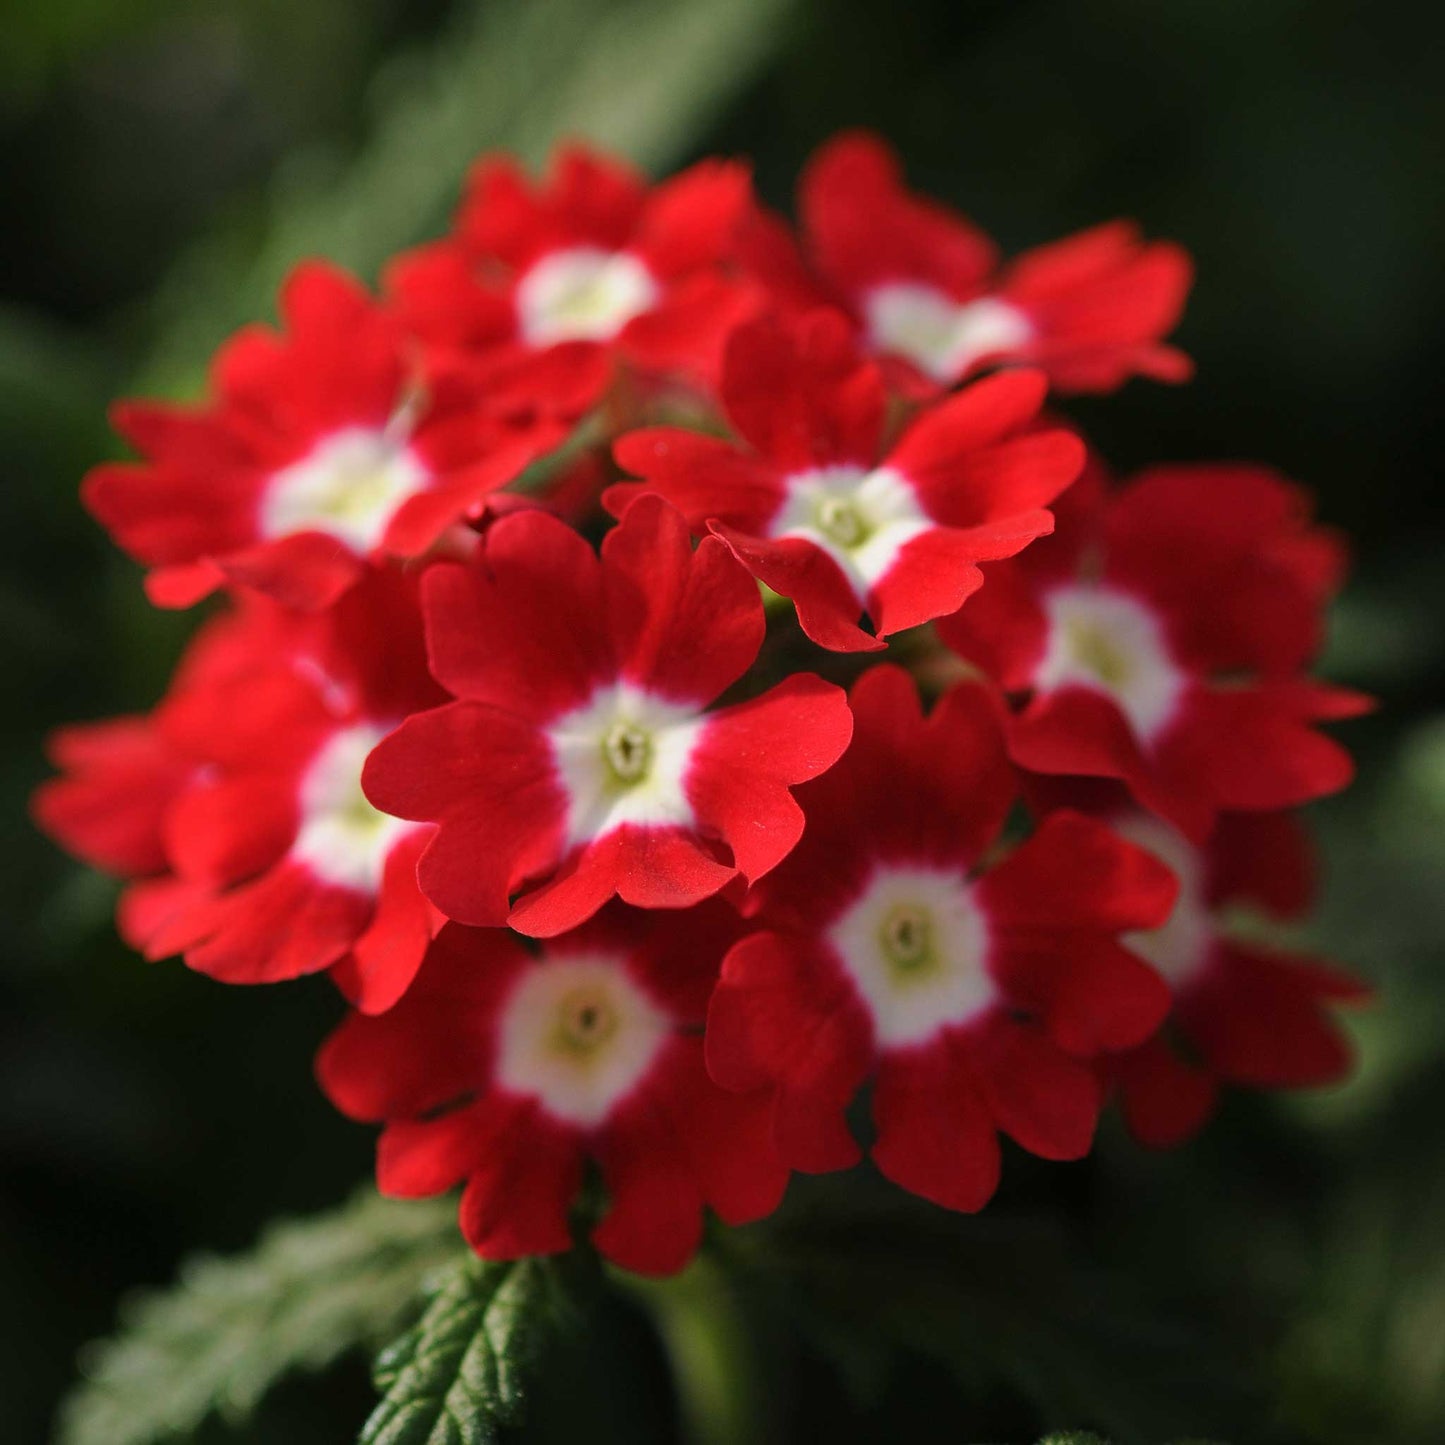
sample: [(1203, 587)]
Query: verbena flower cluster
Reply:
[(543, 707)]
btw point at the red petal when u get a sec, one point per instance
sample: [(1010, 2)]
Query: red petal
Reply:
[(224, 831), (748, 757), (110, 810), (653, 1223), (934, 792), (183, 585), (1253, 749), (286, 924), (1166, 1101), (307, 571), (516, 1202), (935, 1136), (783, 1015), (1075, 872), (684, 625), (703, 477), (864, 226), (1041, 1098), (828, 608), (1257, 1019), (384, 959), (646, 867), (525, 628), (801, 395), (152, 917), (416, 1158), (1002, 630), (692, 220), (487, 778), (1262, 858), (728, 1139)]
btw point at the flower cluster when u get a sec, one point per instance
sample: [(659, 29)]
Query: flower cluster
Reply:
[(540, 708)]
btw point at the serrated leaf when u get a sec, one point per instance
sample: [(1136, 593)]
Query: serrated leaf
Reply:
[(461, 1373), (230, 1328)]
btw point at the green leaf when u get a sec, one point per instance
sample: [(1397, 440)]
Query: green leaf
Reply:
[(461, 1373), (231, 1328)]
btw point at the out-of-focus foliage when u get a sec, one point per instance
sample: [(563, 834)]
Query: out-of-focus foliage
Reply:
[(1007, 1306), (521, 75), (233, 1327), (164, 160)]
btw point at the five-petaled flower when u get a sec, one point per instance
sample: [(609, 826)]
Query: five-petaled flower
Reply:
[(1161, 637), (579, 761), (544, 291), (925, 290), (321, 447), (237, 805), (821, 511), (974, 995), (510, 1070)]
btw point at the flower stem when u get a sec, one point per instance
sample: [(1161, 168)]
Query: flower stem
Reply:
[(716, 1367)]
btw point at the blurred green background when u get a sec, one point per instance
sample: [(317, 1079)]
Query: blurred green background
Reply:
[(163, 161)]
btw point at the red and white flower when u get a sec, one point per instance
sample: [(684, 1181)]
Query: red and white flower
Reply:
[(545, 289), (579, 761), (1245, 1013), (973, 995), (927, 293), (508, 1071), (821, 511), (238, 804), (321, 448), (1161, 637)]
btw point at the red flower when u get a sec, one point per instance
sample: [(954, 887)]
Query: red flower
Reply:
[(544, 288), (1245, 1013), (927, 293), (819, 511), (578, 762), (974, 998), (1160, 637), (238, 803), (510, 1071), (321, 448)]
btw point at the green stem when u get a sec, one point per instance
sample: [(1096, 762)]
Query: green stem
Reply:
[(716, 1367)]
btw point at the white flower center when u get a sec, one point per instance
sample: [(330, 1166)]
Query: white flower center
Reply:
[(623, 758), (1111, 642), (940, 336), (915, 944), (861, 519), (578, 1035), (1179, 948), (349, 486), (582, 294), (343, 839)]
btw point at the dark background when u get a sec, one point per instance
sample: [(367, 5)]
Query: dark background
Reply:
[(162, 161)]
